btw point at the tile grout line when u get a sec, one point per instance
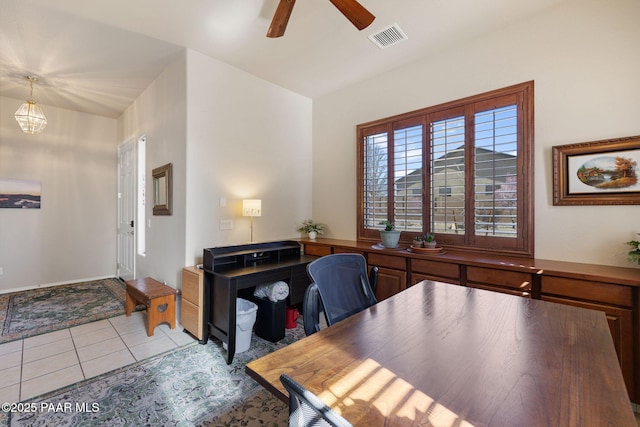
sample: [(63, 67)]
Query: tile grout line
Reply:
[(123, 341), (75, 348)]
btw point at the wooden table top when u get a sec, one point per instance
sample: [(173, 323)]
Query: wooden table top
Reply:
[(450, 355)]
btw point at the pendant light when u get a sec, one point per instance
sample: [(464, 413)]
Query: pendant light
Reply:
[(29, 115)]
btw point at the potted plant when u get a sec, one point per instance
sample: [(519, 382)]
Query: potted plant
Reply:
[(634, 254), (429, 241), (389, 236), (311, 228), (418, 242)]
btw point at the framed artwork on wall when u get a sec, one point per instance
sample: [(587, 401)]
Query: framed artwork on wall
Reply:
[(605, 172), (19, 194)]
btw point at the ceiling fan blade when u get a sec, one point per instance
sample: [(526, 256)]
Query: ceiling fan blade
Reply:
[(281, 18), (355, 12)]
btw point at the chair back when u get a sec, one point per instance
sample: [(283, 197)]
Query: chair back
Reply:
[(306, 409), (342, 284)]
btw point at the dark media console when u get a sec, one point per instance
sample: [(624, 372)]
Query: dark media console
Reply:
[(229, 269)]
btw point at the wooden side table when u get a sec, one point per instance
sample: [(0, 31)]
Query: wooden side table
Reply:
[(158, 298)]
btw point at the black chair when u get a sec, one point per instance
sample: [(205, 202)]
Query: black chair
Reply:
[(340, 288), (306, 409)]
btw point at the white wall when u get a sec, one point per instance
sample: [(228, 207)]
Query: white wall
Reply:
[(73, 236), (228, 134), (160, 114), (584, 57), (246, 138)]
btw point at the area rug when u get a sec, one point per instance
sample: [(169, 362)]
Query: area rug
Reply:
[(191, 386), (37, 311)]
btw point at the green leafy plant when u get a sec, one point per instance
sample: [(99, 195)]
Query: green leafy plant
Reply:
[(634, 254), (388, 225), (429, 237), (308, 226)]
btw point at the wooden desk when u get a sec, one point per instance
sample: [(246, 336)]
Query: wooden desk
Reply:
[(448, 354)]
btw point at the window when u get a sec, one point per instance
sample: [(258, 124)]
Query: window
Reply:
[(140, 225), (460, 170), (444, 191)]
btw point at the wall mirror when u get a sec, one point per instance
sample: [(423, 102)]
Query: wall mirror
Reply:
[(162, 190)]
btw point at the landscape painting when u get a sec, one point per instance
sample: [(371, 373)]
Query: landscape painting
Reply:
[(19, 194), (608, 172)]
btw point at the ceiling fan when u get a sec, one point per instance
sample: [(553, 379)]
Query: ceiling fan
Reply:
[(354, 11)]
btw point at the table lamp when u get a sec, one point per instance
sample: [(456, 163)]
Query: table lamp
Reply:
[(251, 208)]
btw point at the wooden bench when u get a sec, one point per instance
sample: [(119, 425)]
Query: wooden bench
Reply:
[(158, 298)]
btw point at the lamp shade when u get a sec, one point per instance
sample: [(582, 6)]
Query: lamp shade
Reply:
[(30, 117), (252, 207)]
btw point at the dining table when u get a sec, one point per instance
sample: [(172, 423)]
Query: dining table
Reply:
[(440, 354)]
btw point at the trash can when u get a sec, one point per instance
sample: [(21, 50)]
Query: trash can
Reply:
[(271, 319), (245, 318)]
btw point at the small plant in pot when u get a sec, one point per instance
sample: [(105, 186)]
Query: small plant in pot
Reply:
[(634, 254), (313, 229), (429, 241), (389, 236)]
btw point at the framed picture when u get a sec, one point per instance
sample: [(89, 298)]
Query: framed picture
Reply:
[(19, 194), (603, 172)]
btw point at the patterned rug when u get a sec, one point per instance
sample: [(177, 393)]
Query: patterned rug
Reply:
[(37, 311), (191, 386)]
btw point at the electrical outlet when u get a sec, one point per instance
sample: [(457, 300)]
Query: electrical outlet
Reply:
[(226, 224)]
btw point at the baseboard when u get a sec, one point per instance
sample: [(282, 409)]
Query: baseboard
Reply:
[(48, 285)]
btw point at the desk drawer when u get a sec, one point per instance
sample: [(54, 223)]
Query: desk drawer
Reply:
[(317, 250), (379, 260), (436, 268), (191, 318), (598, 292), (503, 278), (192, 287), (339, 250)]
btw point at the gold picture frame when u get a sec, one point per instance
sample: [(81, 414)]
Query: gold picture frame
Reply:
[(605, 172)]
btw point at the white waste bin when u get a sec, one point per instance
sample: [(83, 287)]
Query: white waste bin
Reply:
[(245, 318)]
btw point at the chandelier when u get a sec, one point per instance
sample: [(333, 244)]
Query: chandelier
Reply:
[(29, 115)]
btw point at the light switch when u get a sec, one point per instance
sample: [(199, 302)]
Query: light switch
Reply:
[(226, 224)]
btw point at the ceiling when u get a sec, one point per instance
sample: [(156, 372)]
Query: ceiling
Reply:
[(98, 56)]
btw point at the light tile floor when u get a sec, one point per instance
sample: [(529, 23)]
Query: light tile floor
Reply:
[(47, 362)]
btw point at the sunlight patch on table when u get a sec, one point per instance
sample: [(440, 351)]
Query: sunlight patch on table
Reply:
[(394, 398)]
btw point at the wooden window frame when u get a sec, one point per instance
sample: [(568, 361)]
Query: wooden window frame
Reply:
[(523, 244)]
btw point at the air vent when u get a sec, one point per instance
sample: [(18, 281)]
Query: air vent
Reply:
[(388, 36)]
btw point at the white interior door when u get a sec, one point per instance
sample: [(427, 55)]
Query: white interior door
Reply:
[(127, 161)]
